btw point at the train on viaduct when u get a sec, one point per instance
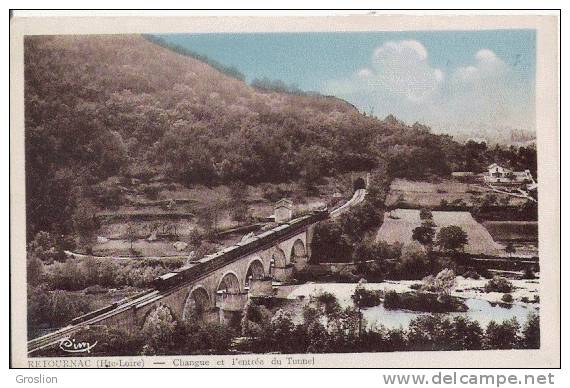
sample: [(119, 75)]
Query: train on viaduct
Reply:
[(216, 287)]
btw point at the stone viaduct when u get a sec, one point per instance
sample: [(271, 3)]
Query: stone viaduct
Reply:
[(222, 294), (216, 287)]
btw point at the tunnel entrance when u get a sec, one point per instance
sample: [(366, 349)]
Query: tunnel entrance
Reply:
[(359, 183)]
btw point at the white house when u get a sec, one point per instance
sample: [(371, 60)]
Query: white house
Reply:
[(497, 174)]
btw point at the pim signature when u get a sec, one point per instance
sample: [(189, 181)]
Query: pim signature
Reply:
[(69, 345)]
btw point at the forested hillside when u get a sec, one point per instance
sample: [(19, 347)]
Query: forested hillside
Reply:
[(102, 106)]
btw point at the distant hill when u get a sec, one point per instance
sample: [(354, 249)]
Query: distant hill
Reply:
[(120, 105)]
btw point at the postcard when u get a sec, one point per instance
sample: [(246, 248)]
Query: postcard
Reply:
[(356, 190)]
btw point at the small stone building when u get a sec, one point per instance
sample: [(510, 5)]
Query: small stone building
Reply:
[(283, 210)]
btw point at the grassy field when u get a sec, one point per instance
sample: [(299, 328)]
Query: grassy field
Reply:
[(399, 224), (522, 234), (427, 194), (522, 231)]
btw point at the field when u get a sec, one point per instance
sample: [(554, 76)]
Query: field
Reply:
[(399, 224), (522, 234), (147, 213), (426, 194), (521, 231)]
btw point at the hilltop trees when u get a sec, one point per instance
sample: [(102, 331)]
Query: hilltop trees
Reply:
[(93, 112)]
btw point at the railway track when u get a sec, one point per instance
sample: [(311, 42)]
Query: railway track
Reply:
[(57, 336)]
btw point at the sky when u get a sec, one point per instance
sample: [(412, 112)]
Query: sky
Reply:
[(453, 81)]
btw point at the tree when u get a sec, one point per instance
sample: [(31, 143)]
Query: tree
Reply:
[(330, 243), (443, 283), (531, 332), (238, 196), (159, 329), (85, 221), (363, 298), (282, 331), (503, 335), (429, 332), (34, 269), (451, 238), (425, 214), (510, 248), (209, 215), (131, 234), (467, 334), (424, 234)]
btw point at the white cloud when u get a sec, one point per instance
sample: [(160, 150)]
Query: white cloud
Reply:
[(483, 93), (486, 55), (487, 66), (402, 68)]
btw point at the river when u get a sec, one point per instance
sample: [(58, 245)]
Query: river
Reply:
[(483, 307)]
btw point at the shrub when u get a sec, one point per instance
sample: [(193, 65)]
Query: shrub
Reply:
[(112, 341), (443, 283), (423, 302), (531, 332), (52, 309), (391, 300), (34, 269), (507, 298), (471, 275), (502, 336), (328, 302), (529, 273), (96, 289), (365, 298), (499, 284), (158, 330)]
